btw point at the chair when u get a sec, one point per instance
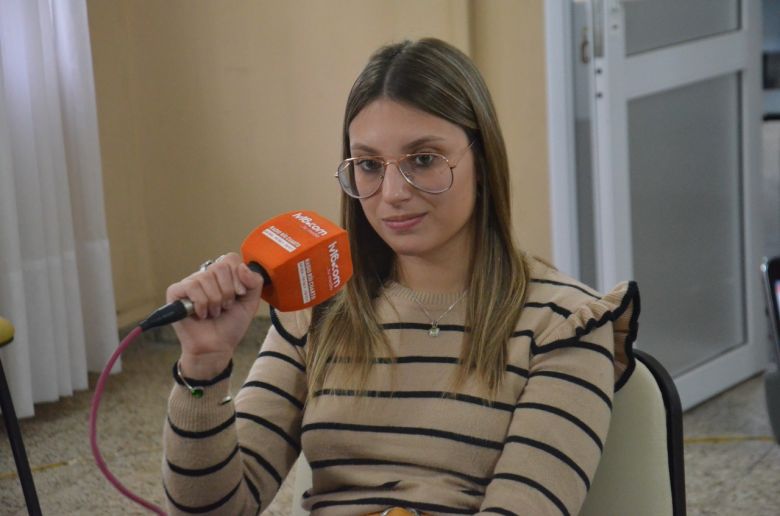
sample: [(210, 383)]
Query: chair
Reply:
[(772, 373), (641, 472), (12, 427)]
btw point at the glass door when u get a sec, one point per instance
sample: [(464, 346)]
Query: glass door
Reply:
[(667, 120)]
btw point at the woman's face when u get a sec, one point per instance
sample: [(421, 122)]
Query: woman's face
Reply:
[(412, 222)]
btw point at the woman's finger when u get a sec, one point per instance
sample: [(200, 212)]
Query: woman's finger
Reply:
[(192, 290), (208, 282), (224, 276), (215, 287), (250, 279), (235, 261)]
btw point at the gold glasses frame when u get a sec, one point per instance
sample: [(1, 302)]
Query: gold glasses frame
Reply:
[(397, 162)]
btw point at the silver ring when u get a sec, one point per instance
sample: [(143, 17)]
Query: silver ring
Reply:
[(205, 265)]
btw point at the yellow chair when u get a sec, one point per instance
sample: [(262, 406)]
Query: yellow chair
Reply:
[(12, 427)]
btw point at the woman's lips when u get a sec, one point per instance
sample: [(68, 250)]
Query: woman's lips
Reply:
[(403, 222)]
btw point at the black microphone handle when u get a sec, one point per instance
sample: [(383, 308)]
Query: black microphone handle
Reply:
[(167, 314), (256, 267)]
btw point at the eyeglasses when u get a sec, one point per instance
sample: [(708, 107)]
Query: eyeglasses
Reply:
[(429, 172)]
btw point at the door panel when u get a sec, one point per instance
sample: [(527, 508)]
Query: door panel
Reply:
[(686, 212), (651, 25), (666, 119)]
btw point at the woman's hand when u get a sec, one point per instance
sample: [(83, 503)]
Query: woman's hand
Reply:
[(226, 296)]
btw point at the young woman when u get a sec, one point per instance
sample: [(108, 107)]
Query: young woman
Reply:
[(453, 375)]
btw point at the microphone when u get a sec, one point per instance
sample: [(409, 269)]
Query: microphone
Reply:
[(303, 257)]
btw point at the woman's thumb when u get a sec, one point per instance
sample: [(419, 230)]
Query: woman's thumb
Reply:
[(253, 283)]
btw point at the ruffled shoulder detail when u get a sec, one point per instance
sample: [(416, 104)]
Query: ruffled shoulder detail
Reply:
[(621, 308), (292, 326)]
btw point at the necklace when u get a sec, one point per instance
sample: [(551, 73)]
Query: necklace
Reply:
[(433, 331)]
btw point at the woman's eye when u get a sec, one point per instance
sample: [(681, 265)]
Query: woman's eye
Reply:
[(370, 165), (423, 160)]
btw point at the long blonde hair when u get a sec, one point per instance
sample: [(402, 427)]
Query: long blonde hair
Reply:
[(437, 78)]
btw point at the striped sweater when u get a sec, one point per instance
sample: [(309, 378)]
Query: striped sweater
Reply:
[(410, 439)]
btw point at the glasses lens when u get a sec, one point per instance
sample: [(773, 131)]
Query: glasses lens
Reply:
[(361, 177), (428, 172)]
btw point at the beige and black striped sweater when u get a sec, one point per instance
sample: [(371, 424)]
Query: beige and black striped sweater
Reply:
[(409, 440)]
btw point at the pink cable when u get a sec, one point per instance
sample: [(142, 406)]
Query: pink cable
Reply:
[(101, 384)]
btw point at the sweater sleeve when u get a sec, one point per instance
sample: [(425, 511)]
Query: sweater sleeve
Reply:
[(560, 423), (231, 458)]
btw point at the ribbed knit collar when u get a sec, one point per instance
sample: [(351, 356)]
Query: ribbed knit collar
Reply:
[(395, 289)]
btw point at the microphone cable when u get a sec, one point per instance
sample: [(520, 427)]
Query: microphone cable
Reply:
[(93, 413), (165, 315)]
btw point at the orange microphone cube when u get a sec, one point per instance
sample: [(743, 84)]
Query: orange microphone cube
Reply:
[(305, 256)]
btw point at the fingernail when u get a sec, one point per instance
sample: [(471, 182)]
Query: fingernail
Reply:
[(240, 290)]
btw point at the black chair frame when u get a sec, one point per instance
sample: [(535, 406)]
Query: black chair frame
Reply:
[(674, 429), (17, 446)]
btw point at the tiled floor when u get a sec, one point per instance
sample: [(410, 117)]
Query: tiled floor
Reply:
[(736, 473), (740, 473)]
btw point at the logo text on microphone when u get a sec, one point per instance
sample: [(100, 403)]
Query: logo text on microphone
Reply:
[(335, 273), (309, 223)]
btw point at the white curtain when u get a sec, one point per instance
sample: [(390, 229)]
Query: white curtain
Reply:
[(55, 272)]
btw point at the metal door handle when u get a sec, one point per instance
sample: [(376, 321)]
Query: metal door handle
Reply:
[(584, 44)]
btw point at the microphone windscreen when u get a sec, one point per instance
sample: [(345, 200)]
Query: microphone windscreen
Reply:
[(306, 258)]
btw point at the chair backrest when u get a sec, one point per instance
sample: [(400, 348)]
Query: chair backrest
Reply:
[(302, 483), (641, 472), (6, 332)]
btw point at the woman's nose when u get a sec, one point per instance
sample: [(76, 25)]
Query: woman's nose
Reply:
[(394, 186)]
